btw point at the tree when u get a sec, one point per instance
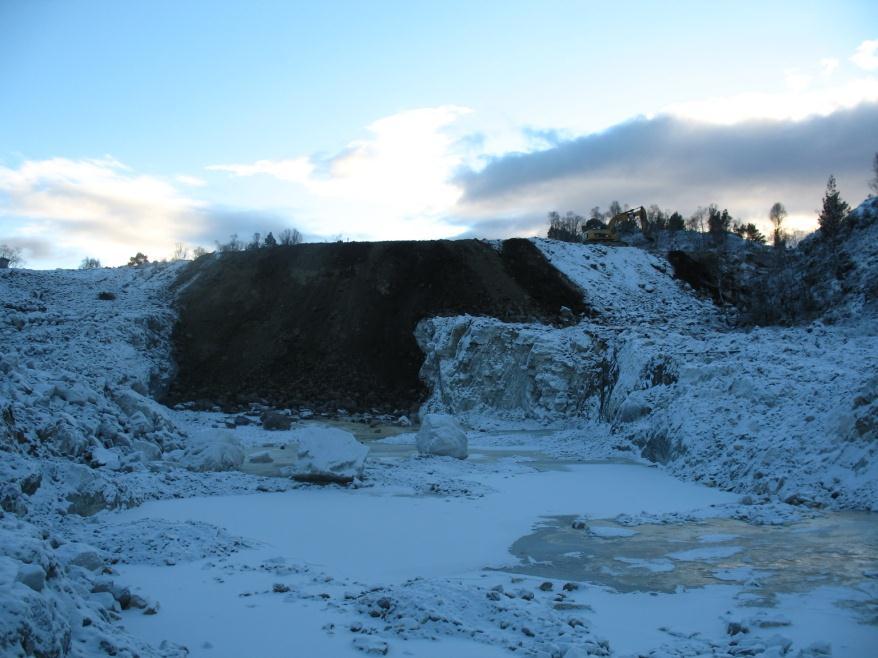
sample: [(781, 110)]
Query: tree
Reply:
[(198, 252), (873, 184), (718, 223), (269, 241), (12, 254), (753, 234), (696, 221), (675, 222), (657, 218), (289, 236), (777, 214), (615, 209), (89, 264), (181, 252), (567, 228), (138, 259), (255, 242), (834, 210), (234, 244)]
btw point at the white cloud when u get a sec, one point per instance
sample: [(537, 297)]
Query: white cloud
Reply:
[(95, 207), (828, 65), (297, 170), (191, 181), (796, 80), (866, 55), (797, 103), (393, 184)]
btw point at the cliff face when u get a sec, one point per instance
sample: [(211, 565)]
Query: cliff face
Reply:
[(333, 324)]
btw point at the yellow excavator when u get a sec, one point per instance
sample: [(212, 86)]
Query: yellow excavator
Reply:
[(608, 234)]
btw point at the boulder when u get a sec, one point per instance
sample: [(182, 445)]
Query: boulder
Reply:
[(275, 420), (327, 454), (262, 457), (222, 453), (441, 435), (32, 575), (80, 555)]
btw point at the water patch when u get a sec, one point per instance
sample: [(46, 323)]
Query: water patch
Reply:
[(839, 549)]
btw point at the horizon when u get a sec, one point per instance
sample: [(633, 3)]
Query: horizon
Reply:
[(136, 128)]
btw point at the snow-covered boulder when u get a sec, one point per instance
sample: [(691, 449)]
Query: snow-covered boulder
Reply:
[(261, 457), (441, 435), (326, 454), (223, 452)]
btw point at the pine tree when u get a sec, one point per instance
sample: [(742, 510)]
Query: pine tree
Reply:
[(270, 241), (834, 212)]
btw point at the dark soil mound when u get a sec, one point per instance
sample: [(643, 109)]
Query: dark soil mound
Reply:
[(329, 325)]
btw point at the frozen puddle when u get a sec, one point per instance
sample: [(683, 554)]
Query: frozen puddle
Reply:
[(832, 550), (318, 552)]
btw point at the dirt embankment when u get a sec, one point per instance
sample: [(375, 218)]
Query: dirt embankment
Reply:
[(331, 325)]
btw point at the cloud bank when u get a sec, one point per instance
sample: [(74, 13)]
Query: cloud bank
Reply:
[(678, 164)]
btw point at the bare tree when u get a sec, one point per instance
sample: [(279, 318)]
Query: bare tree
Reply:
[(777, 214), (89, 263), (11, 254), (181, 252), (234, 244), (198, 252), (289, 236), (873, 184)]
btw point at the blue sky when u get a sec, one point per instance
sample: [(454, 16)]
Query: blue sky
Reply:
[(123, 122)]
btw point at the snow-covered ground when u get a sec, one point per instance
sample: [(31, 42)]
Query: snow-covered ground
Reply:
[(131, 529)]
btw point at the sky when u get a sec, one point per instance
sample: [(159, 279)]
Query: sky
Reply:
[(130, 127)]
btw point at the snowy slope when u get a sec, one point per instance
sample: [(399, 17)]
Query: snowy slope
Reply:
[(625, 285), (780, 414), (77, 370)]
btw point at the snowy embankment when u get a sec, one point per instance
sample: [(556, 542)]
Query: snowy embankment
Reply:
[(81, 355), (775, 413)]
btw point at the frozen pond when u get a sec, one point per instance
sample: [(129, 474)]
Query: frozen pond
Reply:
[(333, 544)]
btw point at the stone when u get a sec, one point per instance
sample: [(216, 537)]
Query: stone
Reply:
[(441, 435), (371, 645), (325, 455), (80, 555), (32, 575), (275, 420), (222, 453), (262, 457)]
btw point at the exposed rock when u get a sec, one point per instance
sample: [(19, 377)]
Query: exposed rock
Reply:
[(275, 420), (441, 435), (262, 457)]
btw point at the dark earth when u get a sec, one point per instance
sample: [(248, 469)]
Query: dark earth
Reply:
[(331, 325)]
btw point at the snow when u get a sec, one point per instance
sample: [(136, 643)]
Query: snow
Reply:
[(707, 464)]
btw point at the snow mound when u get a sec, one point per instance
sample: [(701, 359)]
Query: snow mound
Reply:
[(441, 435), (327, 454)]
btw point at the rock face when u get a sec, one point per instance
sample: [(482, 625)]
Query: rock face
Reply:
[(346, 313), (326, 454), (442, 435)]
